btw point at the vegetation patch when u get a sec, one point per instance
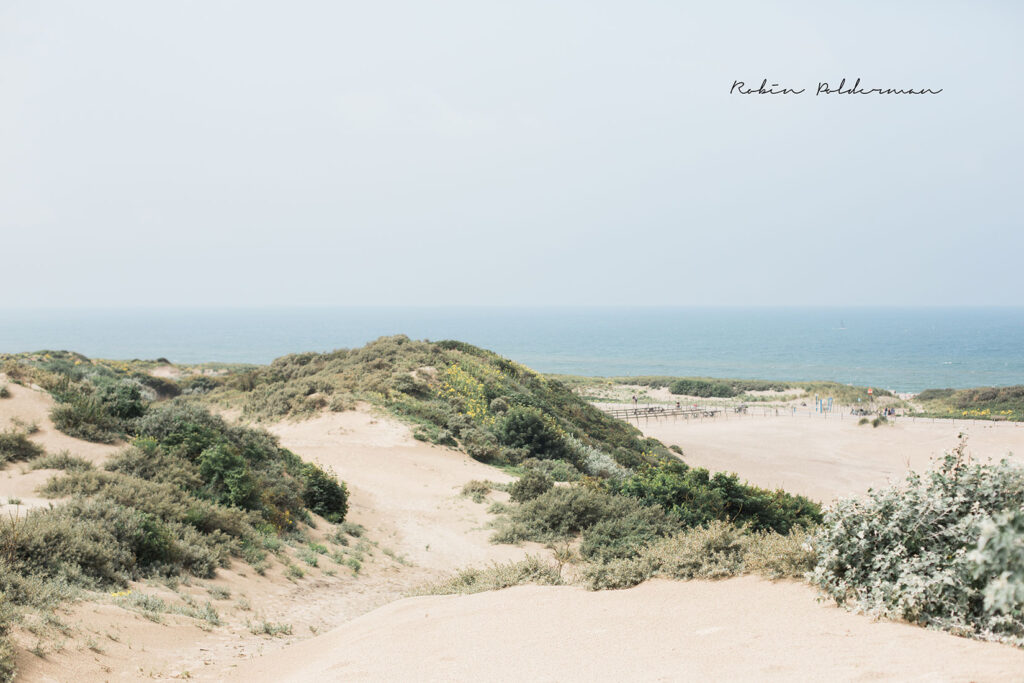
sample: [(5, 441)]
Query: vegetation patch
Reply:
[(451, 393), (496, 577), (943, 550), (62, 461), (15, 445), (984, 403), (716, 551)]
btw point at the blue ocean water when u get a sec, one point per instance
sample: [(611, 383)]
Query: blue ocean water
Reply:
[(901, 349)]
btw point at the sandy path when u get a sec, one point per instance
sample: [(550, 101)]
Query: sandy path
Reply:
[(827, 458), (405, 491), (739, 629), (407, 495)]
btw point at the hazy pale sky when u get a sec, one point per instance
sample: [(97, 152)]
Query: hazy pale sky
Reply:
[(269, 153)]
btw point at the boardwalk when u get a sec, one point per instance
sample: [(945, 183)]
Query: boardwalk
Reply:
[(648, 412)]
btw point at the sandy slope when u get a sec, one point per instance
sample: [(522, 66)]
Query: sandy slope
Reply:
[(739, 629), (828, 458), (33, 405), (16, 481), (406, 494), (404, 491)]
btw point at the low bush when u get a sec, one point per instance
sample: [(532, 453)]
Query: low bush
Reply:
[(182, 443), (476, 490), (624, 535), (496, 577), (716, 551), (84, 417), (702, 388), (324, 494), (694, 497), (526, 427), (62, 461), (560, 513), (529, 486), (941, 550), (557, 470), (594, 461), (15, 445)]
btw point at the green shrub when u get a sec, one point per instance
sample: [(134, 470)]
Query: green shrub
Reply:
[(525, 427), (226, 477), (594, 461), (624, 535), (197, 384), (84, 417), (561, 512), (781, 556), (324, 494), (15, 445), (702, 388), (915, 551), (5, 392), (270, 628), (233, 465), (146, 459), (695, 497), (529, 486), (62, 461), (122, 401)]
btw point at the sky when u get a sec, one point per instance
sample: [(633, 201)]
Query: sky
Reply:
[(213, 153)]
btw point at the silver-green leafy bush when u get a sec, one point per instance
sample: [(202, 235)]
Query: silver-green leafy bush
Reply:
[(942, 550), (1000, 554), (594, 461)]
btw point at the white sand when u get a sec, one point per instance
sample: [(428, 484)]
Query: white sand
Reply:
[(406, 494), (743, 629), (828, 458)]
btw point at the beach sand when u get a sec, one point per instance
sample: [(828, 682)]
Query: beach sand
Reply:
[(743, 629), (350, 627), (828, 458)]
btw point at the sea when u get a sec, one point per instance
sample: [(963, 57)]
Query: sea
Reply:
[(900, 349)]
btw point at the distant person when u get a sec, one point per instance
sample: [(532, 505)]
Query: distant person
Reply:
[(634, 401), (677, 405)]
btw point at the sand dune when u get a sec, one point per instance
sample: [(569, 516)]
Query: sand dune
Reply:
[(406, 493), (738, 629), (17, 482)]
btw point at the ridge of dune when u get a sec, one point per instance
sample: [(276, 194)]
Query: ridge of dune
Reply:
[(744, 628), (406, 494)]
